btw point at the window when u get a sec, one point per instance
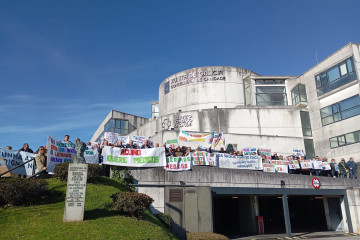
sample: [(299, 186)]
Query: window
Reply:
[(298, 94), (346, 139), (335, 76), (347, 108), (247, 90), (309, 148), (268, 96), (305, 123), (118, 126), (269, 81)]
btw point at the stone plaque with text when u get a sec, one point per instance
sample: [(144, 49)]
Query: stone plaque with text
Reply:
[(75, 192)]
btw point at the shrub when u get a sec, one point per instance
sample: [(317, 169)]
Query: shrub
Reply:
[(21, 191), (205, 236), (131, 204), (164, 219), (119, 174), (94, 171)]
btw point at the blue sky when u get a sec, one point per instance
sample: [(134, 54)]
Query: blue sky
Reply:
[(65, 64)]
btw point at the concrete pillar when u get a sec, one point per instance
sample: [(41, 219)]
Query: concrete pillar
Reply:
[(327, 214), (286, 216)]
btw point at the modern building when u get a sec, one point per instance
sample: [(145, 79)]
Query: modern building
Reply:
[(118, 122), (318, 111)]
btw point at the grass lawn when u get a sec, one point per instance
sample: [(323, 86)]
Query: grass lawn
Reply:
[(44, 221)]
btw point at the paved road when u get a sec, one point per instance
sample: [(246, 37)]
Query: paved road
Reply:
[(316, 235)]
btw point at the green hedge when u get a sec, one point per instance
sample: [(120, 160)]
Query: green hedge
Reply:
[(205, 236), (21, 191), (164, 219), (131, 204), (94, 171)]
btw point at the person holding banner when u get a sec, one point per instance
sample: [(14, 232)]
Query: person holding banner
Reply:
[(26, 148), (178, 152), (131, 145), (40, 159), (146, 145), (188, 151), (119, 144)]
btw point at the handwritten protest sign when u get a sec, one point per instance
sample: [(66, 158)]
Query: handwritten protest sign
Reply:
[(266, 152), (249, 151), (178, 163), (91, 155), (201, 138), (59, 152), (12, 158), (269, 167), (172, 143), (203, 158)]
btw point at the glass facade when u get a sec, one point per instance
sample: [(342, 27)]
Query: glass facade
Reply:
[(118, 126), (305, 123), (346, 139), (271, 95), (298, 94), (347, 108), (335, 76)]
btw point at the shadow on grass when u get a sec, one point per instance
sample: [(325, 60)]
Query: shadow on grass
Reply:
[(50, 197), (99, 213), (109, 182)]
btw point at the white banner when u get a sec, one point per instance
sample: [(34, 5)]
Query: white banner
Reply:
[(294, 164), (251, 162), (58, 152), (268, 167), (219, 139), (249, 151), (206, 138), (281, 168), (172, 143), (91, 155), (125, 139), (317, 165), (138, 140), (178, 163), (203, 158), (13, 158), (306, 164), (150, 157), (111, 137)]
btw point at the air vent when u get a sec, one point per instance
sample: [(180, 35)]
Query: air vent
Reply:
[(176, 195)]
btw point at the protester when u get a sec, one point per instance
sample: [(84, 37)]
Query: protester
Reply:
[(169, 152), (66, 138), (8, 147), (264, 159), (146, 145), (156, 145), (131, 145), (334, 168), (178, 152), (275, 157), (222, 150), (343, 169), (352, 168), (26, 148), (188, 151), (40, 159), (119, 144)]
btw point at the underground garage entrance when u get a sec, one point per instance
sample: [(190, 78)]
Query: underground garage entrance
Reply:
[(235, 214)]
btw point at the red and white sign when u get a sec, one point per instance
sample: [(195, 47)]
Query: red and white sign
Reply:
[(315, 182)]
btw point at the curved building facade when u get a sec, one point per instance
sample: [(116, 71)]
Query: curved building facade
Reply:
[(203, 88)]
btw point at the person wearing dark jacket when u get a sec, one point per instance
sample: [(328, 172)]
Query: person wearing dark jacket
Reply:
[(26, 148), (352, 168), (343, 169)]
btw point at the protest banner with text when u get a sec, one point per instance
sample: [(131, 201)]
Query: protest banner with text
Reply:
[(12, 158), (59, 152), (251, 162), (206, 138), (150, 157), (178, 163)]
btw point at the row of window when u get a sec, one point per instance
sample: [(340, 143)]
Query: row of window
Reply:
[(344, 109), (335, 76), (269, 96), (346, 139)]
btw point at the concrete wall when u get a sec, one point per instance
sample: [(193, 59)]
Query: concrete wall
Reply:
[(195, 216), (275, 127), (202, 88)]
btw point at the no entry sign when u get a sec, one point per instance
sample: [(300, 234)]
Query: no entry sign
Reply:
[(315, 182)]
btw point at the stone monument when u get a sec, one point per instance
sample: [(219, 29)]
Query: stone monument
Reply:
[(76, 186)]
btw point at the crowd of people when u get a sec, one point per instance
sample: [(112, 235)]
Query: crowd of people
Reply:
[(341, 169)]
